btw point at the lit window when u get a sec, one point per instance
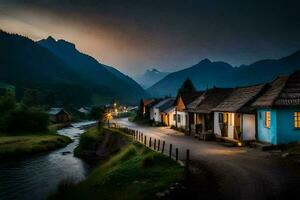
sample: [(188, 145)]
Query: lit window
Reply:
[(267, 119), (230, 119), (297, 119)]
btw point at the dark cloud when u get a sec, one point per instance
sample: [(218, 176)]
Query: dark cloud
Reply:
[(137, 34)]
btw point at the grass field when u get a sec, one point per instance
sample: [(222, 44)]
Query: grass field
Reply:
[(22, 145), (135, 172)]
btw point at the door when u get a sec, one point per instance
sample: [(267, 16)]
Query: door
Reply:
[(223, 122), (237, 126)]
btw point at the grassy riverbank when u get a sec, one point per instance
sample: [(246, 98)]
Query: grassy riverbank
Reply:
[(134, 172), (12, 146)]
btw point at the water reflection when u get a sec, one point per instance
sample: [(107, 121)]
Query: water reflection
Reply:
[(38, 176)]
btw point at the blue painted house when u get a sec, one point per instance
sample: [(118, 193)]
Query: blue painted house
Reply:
[(278, 111)]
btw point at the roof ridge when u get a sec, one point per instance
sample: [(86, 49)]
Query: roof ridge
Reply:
[(288, 77)]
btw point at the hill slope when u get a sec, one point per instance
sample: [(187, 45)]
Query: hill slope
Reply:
[(62, 77), (116, 84)]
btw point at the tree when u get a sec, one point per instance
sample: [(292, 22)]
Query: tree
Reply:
[(96, 113), (187, 87), (7, 102)]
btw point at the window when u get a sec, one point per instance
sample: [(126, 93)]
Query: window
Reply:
[(297, 119), (267, 119), (220, 117), (174, 117), (178, 118)]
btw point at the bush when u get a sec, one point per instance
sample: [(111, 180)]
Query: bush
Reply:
[(28, 119)]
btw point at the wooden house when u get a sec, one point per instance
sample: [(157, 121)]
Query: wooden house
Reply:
[(200, 112), (278, 111), (234, 118), (179, 113), (59, 115)]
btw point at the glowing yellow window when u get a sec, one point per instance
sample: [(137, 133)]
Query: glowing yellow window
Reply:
[(267, 119), (297, 119)]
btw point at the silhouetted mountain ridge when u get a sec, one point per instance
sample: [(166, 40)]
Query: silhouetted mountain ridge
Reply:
[(57, 67), (221, 74)]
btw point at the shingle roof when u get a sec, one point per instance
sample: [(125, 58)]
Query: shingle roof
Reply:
[(209, 100), (163, 103), (167, 104), (271, 94), (282, 92), (188, 98), (55, 111), (240, 99)]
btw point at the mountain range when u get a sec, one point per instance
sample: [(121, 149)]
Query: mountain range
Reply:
[(64, 74), (150, 77), (207, 74)]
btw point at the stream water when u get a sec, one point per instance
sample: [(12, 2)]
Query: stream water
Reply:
[(35, 177)]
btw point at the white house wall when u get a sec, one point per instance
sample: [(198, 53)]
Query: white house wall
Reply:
[(248, 127), (217, 130), (157, 117)]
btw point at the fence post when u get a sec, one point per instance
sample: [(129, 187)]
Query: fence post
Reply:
[(170, 150), (150, 143), (158, 145), (176, 151), (145, 141), (154, 144), (163, 147), (187, 159)]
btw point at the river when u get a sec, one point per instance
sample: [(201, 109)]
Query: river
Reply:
[(35, 177)]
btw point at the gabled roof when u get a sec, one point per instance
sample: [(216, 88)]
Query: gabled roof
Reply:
[(282, 92), (209, 100), (55, 111), (271, 94), (240, 99), (163, 103), (188, 98), (169, 109)]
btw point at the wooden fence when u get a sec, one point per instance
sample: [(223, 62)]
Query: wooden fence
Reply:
[(157, 145)]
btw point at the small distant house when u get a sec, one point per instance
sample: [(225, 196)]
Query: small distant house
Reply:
[(157, 114), (59, 115), (234, 118), (145, 106), (278, 111), (200, 111)]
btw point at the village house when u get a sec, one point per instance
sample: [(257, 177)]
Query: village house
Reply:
[(59, 115), (278, 111), (156, 114), (179, 113), (200, 112), (145, 106), (234, 118)]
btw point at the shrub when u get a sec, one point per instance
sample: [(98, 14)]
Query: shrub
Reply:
[(27, 119)]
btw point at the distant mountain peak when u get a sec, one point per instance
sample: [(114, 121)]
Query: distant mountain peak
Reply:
[(205, 61), (66, 44), (50, 39)]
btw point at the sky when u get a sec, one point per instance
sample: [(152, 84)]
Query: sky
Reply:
[(135, 35)]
